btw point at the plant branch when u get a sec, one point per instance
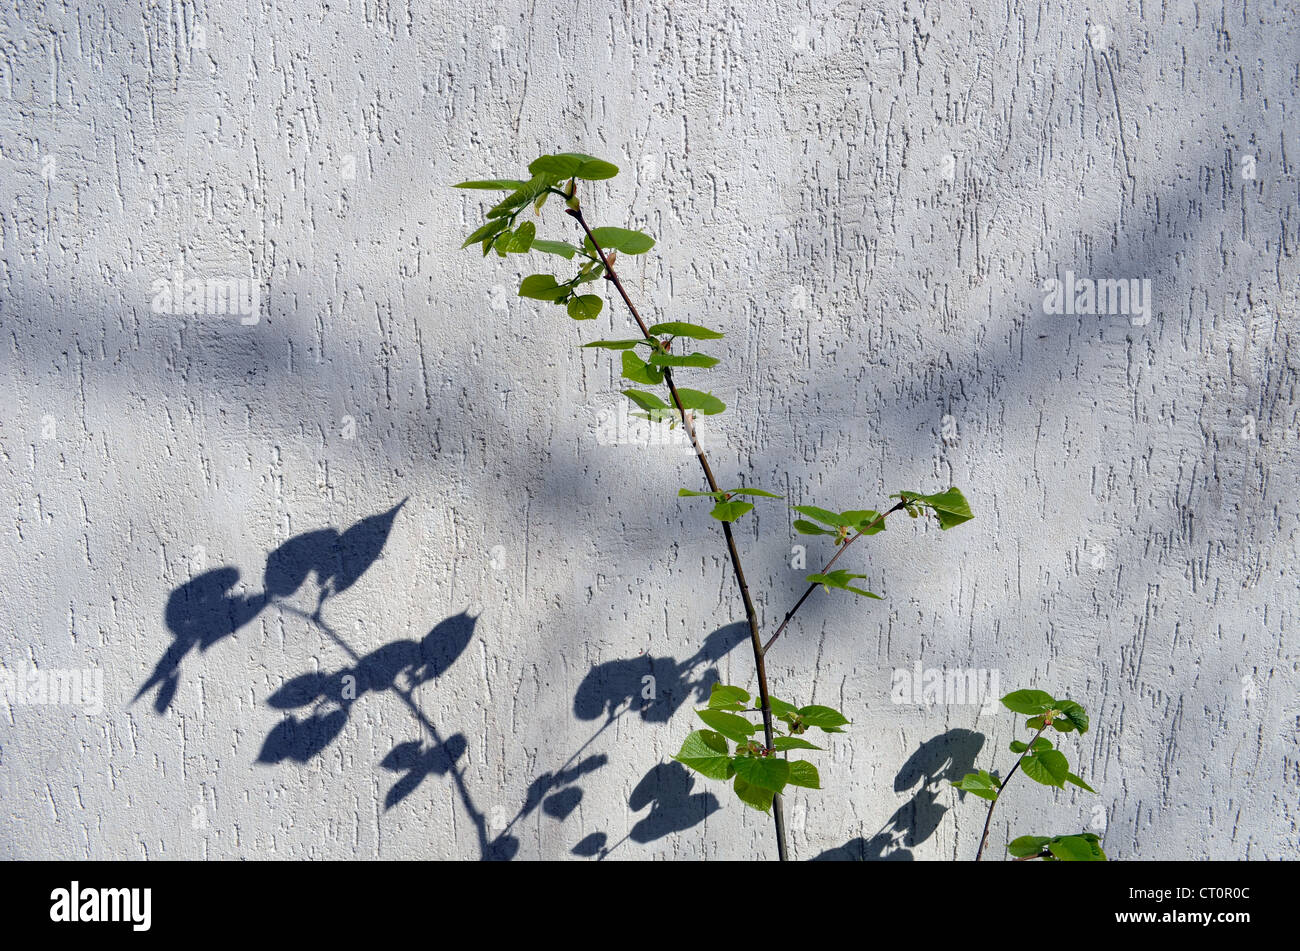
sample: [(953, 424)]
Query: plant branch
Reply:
[(984, 839), (408, 697), (756, 641), (812, 587)]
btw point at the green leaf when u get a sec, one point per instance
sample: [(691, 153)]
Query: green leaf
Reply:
[(1027, 845), (622, 240), (1076, 848), (573, 165), (840, 579), (487, 231), (492, 183), (523, 195), (825, 516), (982, 784), (722, 697), (562, 248), (804, 773), (730, 511), (595, 170), (542, 287), (1049, 767), (827, 718), (638, 371), (727, 510), (728, 724), (706, 403), (706, 752), (780, 743), (860, 519), (765, 772), (752, 795), (1075, 714), (1040, 744), (950, 506), (704, 361), (1071, 778), (809, 528), (647, 401), (588, 273), (678, 328), (517, 241), (613, 344), (1035, 723), (1028, 702), (780, 709)]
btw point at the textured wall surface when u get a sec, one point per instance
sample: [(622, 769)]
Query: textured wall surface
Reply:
[(868, 197)]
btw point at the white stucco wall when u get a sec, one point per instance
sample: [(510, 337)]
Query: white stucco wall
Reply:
[(867, 197)]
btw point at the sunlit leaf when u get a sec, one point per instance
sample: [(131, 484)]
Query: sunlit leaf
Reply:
[(623, 240), (585, 307), (647, 401), (730, 725), (840, 579), (701, 360), (751, 795), (730, 511), (723, 697), (804, 773), (677, 328), (573, 165), (562, 248), (706, 403), (638, 371), (492, 183), (487, 231), (1029, 702), (982, 784), (765, 772), (707, 753), (542, 287), (950, 506), (1049, 767)]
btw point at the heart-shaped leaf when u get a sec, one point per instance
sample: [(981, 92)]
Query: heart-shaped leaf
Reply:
[(707, 753), (765, 772), (730, 725), (679, 328), (1049, 767)]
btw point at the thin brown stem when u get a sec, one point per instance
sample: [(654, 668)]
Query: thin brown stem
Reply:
[(813, 587), (984, 839), (756, 641)]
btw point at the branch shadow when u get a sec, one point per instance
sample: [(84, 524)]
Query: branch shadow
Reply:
[(654, 688), (936, 762), (205, 611)]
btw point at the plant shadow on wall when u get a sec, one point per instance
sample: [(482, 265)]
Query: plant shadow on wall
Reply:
[(936, 763), (655, 688), (205, 610)]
